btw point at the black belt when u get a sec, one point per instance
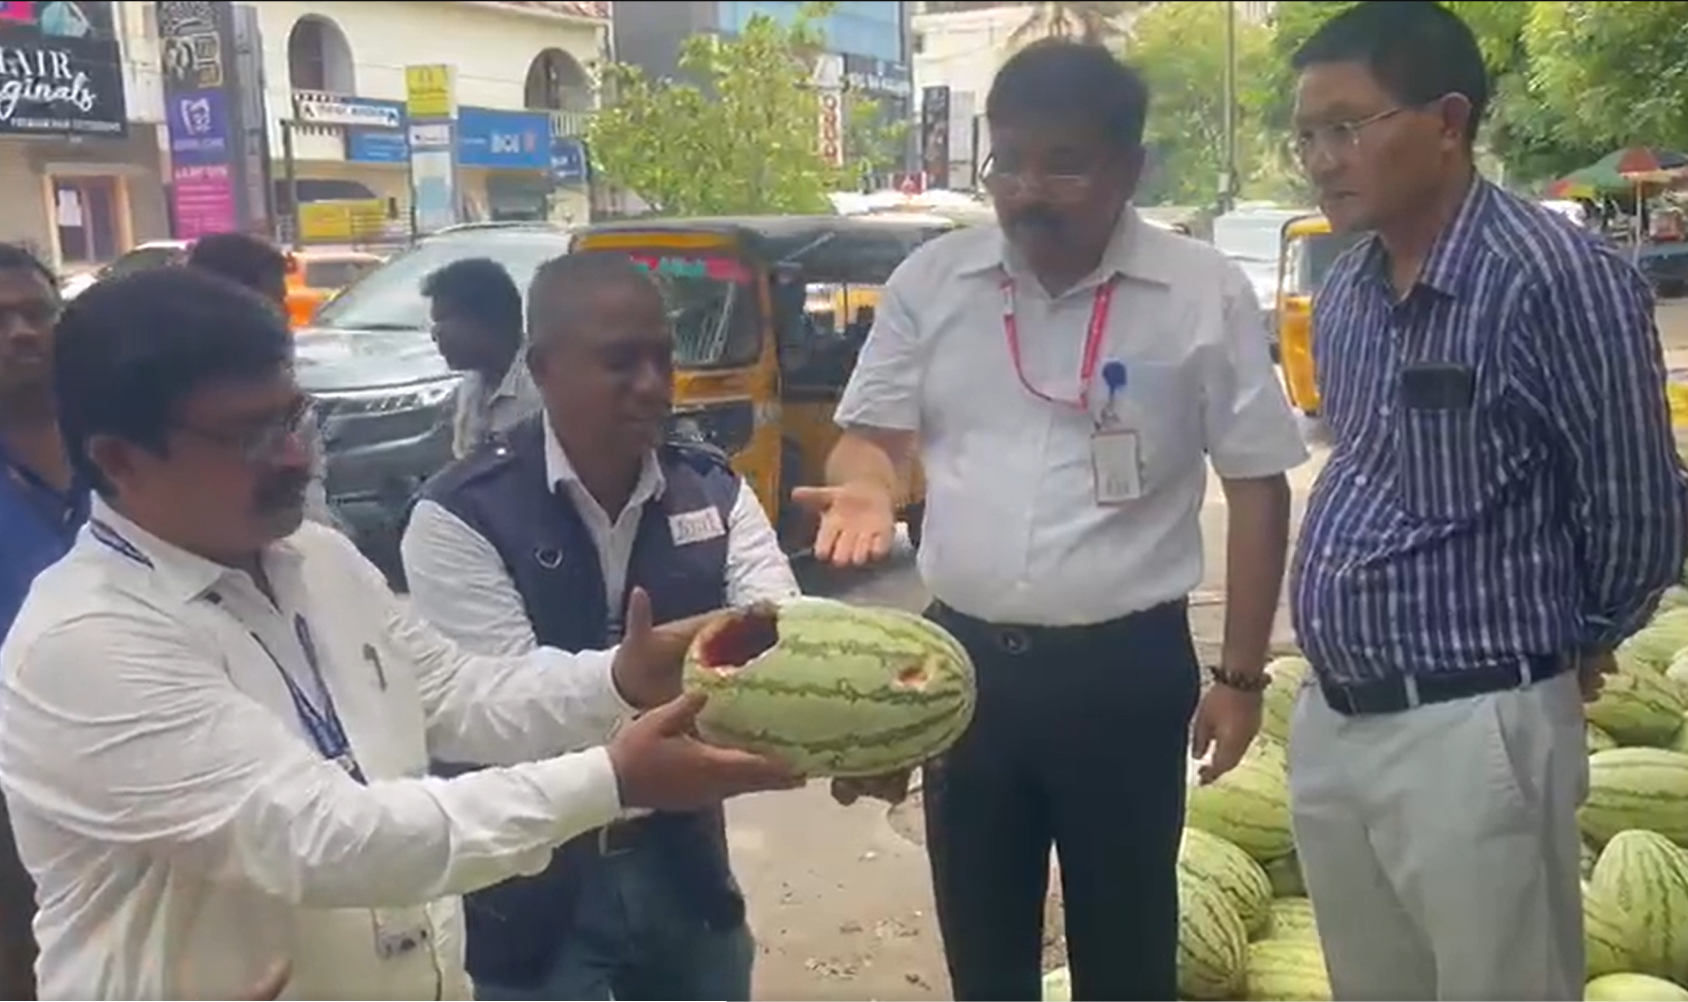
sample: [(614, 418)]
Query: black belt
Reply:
[(1398, 693), (1017, 639), (618, 837)]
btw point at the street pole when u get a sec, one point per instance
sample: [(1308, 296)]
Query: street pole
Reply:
[(1228, 165)]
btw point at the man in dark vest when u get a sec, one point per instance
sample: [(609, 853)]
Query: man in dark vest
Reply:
[(536, 538)]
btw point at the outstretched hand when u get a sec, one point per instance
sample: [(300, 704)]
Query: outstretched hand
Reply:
[(660, 763), (858, 522)]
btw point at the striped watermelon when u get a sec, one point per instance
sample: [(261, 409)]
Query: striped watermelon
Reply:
[(1292, 918), (1212, 943), (1636, 788), (1248, 806), (1598, 740), (1655, 644), (1287, 970), (1232, 871), (830, 688), (1603, 935), (1633, 988), (1285, 875), (1278, 704), (1643, 876), (1589, 856), (1638, 706)]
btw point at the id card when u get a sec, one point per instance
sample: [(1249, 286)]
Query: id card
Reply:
[(1116, 466), (400, 932)]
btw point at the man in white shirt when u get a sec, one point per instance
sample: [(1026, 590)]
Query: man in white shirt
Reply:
[(645, 907), (216, 721), (476, 311), (1065, 381)]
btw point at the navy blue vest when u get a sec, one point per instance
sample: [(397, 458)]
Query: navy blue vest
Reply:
[(502, 492)]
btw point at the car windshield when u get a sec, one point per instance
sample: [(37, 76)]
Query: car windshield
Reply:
[(1315, 255), (712, 307), (390, 297)]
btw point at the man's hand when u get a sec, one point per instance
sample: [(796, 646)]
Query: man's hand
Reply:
[(649, 658), (1592, 670), (661, 764), (1226, 722), (891, 788), (858, 522)]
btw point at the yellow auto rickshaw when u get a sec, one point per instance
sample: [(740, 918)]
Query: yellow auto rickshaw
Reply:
[(769, 313), (1306, 249)]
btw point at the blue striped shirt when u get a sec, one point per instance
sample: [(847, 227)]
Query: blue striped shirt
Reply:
[(1547, 517)]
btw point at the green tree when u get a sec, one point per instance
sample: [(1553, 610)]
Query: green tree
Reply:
[(874, 142), (1615, 74), (745, 141), (1179, 47)]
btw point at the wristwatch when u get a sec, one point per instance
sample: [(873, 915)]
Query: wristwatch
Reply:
[(1252, 682)]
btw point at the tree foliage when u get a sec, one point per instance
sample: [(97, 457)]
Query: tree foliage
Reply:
[(742, 140), (1613, 74), (1179, 47)]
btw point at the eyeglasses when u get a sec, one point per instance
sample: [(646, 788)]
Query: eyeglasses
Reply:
[(1337, 137), (1015, 184), (265, 443)]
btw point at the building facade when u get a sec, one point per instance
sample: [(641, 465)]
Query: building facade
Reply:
[(80, 160), (870, 37), (523, 88)]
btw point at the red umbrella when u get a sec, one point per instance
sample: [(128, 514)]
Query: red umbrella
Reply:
[(1645, 160)]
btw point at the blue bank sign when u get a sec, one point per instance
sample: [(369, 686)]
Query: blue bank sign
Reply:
[(503, 140)]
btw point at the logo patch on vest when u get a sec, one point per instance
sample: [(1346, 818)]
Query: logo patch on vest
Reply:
[(696, 526)]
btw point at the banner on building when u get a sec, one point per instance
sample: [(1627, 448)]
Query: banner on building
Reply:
[(61, 71)]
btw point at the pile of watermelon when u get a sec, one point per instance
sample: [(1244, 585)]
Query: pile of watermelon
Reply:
[(1247, 926)]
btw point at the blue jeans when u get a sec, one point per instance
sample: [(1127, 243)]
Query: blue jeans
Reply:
[(633, 939)]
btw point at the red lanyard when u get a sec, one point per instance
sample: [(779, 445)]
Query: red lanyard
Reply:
[(1092, 343)]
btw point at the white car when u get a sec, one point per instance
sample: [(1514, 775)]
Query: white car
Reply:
[(152, 254)]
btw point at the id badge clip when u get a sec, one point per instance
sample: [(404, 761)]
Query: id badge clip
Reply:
[(1116, 462)]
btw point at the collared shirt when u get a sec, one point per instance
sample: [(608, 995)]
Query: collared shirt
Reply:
[(1543, 518), (460, 585), (1014, 533), (37, 526), (484, 410), (184, 830)]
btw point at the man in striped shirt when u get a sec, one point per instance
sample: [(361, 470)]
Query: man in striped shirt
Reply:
[(1503, 504)]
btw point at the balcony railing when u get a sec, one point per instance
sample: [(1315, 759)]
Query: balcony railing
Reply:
[(570, 123)]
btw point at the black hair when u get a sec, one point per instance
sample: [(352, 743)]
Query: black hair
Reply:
[(480, 288), (562, 281), (17, 257), (1417, 50), (131, 349), (242, 258), (1061, 80)]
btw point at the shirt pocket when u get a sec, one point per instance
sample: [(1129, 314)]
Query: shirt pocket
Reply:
[(1162, 403), (1440, 463)]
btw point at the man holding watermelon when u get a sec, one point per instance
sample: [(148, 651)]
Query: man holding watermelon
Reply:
[(1065, 381), (1502, 506)]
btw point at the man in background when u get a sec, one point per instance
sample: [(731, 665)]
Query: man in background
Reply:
[(476, 310)]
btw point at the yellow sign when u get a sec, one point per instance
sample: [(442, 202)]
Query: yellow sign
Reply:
[(352, 220), (429, 91)]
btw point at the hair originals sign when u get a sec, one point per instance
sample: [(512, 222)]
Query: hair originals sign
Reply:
[(60, 71)]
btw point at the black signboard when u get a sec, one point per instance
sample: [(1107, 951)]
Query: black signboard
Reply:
[(61, 72), (935, 135)]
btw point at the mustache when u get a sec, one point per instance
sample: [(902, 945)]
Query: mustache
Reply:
[(282, 492), (1037, 217)]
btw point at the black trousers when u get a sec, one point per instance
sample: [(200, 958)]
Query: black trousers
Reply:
[(1080, 740)]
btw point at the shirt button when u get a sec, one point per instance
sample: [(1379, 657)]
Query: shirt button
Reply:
[(1361, 480)]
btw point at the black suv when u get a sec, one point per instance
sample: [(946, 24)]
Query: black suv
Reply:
[(384, 396)]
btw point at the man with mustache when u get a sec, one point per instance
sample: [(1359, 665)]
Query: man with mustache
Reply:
[(217, 719), (1502, 506), (1065, 381), (477, 315), (538, 538), (41, 507), (260, 266)]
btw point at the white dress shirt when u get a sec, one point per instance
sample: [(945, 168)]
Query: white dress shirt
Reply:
[(483, 410), (1013, 531), (459, 584), (185, 833)]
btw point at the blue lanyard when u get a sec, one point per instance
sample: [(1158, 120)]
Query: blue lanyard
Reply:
[(322, 724)]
